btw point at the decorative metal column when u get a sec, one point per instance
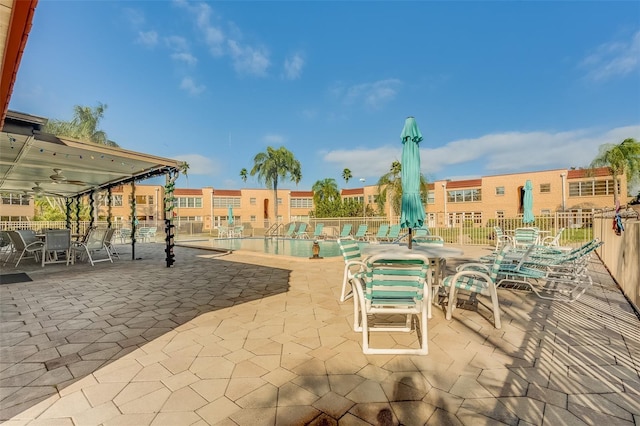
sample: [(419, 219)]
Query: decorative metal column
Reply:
[(134, 220), (91, 209), (68, 202), (168, 217), (78, 215), (109, 211)]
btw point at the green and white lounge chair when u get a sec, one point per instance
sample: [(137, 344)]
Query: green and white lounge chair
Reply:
[(346, 231), (361, 233), (290, 233), (318, 232), (394, 233), (302, 232), (381, 234)]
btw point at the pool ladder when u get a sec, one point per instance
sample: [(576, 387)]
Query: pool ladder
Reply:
[(274, 230)]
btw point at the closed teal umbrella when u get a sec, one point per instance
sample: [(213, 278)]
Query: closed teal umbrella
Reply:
[(412, 213), (527, 203), (230, 214)]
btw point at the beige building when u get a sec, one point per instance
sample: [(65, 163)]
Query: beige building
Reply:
[(449, 202)]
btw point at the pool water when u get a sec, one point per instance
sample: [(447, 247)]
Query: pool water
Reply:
[(276, 246)]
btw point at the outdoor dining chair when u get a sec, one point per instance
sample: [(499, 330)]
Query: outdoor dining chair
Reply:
[(56, 241), (95, 244), (26, 250), (350, 251), (108, 241), (393, 284)]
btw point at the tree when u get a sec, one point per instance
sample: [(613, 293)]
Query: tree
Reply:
[(83, 126), (346, 175), (621, 158), (325, 190), (274, 165), (390, 185), (243, 175)]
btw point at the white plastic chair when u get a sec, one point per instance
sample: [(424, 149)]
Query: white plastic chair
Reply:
[(95, 244), (26, 250), (56, 241), (393, 284)]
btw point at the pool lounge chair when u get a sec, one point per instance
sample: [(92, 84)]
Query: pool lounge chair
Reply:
[(346, 231), (361, 233), (318, 232), (422, 236), (381, 234), (290, 233), (394, 233), (301, 232)]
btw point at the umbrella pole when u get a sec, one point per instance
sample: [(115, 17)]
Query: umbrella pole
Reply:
[(410, 240)]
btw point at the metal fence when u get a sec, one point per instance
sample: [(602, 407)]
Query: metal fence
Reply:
[(578, 227)]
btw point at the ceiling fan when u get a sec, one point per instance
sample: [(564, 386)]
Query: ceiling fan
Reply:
[(58, 177)]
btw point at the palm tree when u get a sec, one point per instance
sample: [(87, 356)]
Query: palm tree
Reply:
[(243, 175), (391, 184), (346, 175), (272, 166), (83, 126), (325, 190), (621, 158)]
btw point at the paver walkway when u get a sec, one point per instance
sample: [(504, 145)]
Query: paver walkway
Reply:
[(255, 340)]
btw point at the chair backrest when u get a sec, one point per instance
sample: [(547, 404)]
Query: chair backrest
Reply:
[(497, 261), (96, 238), (382, 231), (392, 278), (125, 232), (362, 231), (346, 230), (57, 239), (349, 248), (28, 236), (499, 232), (17, 240), (420, 232), (291, 230), (5, 240), (110, 234), (303, 228), (318, 229), (525, 236)]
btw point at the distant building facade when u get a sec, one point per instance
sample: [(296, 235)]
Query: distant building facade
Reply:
[(449, 202)]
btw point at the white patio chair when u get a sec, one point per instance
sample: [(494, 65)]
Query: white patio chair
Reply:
[(352, 264), (108, 240), (392, 284), (95, 244)]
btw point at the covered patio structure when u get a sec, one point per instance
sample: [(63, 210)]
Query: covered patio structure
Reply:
[(36, 163)]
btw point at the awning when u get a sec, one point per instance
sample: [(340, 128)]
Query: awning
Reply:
[(65, 167)]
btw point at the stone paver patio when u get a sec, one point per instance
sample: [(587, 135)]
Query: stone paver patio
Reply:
[(247, 339)]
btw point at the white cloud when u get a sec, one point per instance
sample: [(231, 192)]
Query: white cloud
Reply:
[(248, 60), (293, 66), (199, 164), (613, 59), (134, 16), (189, 85), (185, 57), (491, 154), (147, 38), (372, 95), (177, 43)]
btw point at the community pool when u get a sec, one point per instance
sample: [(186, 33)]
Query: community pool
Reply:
[(275, 246)]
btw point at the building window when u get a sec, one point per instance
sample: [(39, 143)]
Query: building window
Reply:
[(499, 190), (302, 203), (279, 201), (252, 201), (189, 202), (545, 188), (150, 200), (545, 212), (15, 199), (591, 188), (225, 202), (431, 197), (116, 200), (464, 195), (500, 214), (253, 218), (141, 199)]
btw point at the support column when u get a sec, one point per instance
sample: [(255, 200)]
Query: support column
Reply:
[(109, 209), (168, 217), (134, 220)]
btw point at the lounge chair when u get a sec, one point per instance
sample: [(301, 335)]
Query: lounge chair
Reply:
[(422, 236), (524, 237), (291, 231), (394, 233), (552, 240), (381, 234), (346, 230), (393, 284), (502, 239), (301, 232), (361, 233), (318, 232), (108, 240)]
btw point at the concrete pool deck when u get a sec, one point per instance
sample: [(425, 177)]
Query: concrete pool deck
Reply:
[(247, 339)]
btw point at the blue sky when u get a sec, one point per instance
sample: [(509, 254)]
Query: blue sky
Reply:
[(495, 87)]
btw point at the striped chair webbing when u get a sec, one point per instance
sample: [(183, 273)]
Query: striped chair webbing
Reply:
[(475, 285), (350, 249), (396, 282), (525, 235)]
